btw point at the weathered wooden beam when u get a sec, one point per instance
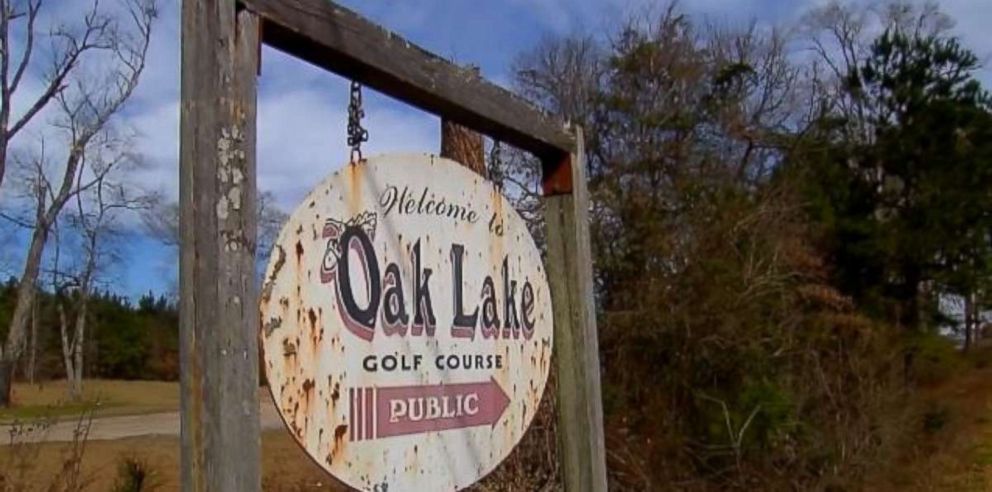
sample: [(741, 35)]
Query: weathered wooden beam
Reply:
[(581, 450), (220, 445), (339, 40)]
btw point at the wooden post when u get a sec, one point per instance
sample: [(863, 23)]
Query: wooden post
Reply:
[(218, 305), (220, 436), (582, 450)]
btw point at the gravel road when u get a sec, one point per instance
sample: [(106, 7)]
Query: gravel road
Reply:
[(109, 428)]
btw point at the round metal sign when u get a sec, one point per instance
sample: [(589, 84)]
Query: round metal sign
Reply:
[(406, 325)]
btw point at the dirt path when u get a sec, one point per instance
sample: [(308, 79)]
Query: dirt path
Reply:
[(108, 428)]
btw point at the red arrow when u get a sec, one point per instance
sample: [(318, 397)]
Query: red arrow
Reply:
[(402, 410)]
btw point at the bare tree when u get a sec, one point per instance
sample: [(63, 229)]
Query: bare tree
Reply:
[(86, 101), (33, 341), (161, 221), (94, 222), (97, 34), (839, 34), (270, 220)]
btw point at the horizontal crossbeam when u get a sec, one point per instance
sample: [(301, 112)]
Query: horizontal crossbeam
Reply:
[(339, 40)]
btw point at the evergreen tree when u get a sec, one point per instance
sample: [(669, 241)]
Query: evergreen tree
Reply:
[(906, 214)]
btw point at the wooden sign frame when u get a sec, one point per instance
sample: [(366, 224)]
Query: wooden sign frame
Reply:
[(221, 40)]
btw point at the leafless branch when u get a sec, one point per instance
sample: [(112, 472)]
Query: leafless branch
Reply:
[(95, 150)]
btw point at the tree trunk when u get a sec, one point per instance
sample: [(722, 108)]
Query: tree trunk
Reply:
[(914, 297), (33, 342), (6, 383), (911, 317), (463, 146), (66, 346), (4, 144), (70, 347), (976, 319), (969, 320), (14, 345), (78, 342)]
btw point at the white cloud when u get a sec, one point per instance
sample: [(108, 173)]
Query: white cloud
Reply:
[(158, 142), (301, 131), (302, 138), (973, 18), (160, 80), (302, 109), (570, 16)]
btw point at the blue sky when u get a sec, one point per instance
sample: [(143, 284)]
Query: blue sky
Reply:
[(302, 109)]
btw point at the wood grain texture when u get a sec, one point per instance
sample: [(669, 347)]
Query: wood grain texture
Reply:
[(339, 40), (582, 449), (218, 304), (463, 146)]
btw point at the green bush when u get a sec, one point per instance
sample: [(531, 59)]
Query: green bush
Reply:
[(934, 358), (935, 418)]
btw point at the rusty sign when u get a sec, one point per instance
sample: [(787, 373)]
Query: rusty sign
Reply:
[(406, 325)]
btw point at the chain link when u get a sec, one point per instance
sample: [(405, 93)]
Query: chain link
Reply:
[(357, 134), (496, 164)]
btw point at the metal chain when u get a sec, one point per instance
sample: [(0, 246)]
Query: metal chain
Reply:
[(496, 164), (356, 132)]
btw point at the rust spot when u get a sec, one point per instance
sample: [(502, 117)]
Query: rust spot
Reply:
[(355, 172), (557, 178), (339, 433), (288, 349), (271, 325), (321, 403)]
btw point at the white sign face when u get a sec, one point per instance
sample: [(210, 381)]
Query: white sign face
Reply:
[(406, 325)]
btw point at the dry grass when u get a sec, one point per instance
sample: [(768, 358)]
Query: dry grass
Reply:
[(956, 455), (286, 468), (284, 465), (105, 397)]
